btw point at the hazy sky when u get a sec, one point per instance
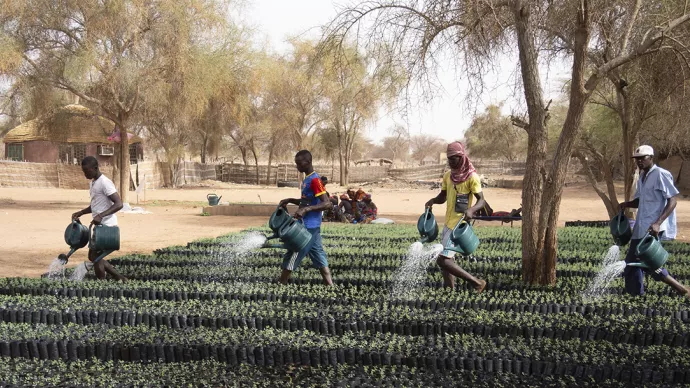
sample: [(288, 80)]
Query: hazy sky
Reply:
[(446, 117)]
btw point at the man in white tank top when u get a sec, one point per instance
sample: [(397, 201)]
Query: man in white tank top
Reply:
[(105, 202)]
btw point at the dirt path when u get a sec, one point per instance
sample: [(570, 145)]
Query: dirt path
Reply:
[(32, 231), (32, 221)]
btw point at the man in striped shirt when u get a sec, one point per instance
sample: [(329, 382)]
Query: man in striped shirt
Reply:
[(312, 202)]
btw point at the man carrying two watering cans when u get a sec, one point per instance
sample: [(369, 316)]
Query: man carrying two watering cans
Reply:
[(313, 201), (655, 200), (459, 188), (105, 202)]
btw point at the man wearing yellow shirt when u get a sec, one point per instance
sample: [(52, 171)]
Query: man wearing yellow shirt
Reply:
[(460, 187)]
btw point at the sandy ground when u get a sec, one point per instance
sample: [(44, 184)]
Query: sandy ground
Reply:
[(32, 221)]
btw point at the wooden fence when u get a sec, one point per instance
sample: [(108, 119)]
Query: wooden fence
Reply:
[(45, 175), (159, 174), (239, 173), (66, 176)]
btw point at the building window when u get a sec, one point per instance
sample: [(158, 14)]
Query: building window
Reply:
[(71, 153), (15, 151), (133, 156), (79, 152)]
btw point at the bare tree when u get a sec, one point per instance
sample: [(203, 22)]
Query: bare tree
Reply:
[(651, 87), (599, 151), (424, 146), (354, 87), (398, 143), (298, 92)]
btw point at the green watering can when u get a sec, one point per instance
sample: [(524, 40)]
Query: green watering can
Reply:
[(76, 236), (651, 254), (279, 218), (291, 232), (464, 239), (213, 199), (105, 239), (620, 229), (427, 226)]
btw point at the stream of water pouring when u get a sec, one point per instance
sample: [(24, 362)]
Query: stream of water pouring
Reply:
[(250, 242), (234, 254), (80, 271), (409, 278), (56, 270), (612, 267)]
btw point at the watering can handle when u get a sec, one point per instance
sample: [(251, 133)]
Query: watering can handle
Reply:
[(459, 222), (649, 234), (208, 195)]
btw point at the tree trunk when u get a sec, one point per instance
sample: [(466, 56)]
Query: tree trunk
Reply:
[(333, 164), (553, 188), (116, 167), (204, 146), (243, 152), (630, 140), (256, 162), (299, 139), (124, 160), (608, 178), (611, 208), (268, 169), (348, 158), (341, 164), (532, 241)]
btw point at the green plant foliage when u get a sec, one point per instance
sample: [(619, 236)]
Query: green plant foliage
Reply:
[(208, 314)]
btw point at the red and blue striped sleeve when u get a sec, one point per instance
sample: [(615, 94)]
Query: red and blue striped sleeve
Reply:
[(317, 187)]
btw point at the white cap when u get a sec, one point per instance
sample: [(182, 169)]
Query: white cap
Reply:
[(643, 150)]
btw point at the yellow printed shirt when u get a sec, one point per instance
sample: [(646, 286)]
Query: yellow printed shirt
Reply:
[(465, 189)]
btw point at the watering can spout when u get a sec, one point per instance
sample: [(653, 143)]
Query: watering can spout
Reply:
[(639, 265), (274, 246), (64, 258), (102, 255)]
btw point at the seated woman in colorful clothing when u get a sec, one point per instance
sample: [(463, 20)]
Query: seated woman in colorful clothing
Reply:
[(358, 205), (359, 195), (369, 210), (346, 208)]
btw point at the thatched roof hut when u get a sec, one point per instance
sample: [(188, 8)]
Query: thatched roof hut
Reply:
[(66, 135), (68, 124)]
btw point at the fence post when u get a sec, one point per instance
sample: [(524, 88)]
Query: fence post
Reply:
[(57, 168)]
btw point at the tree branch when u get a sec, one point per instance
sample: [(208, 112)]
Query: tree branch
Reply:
[(518, 122), (644, 48), (631, 23), (606, 104)]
